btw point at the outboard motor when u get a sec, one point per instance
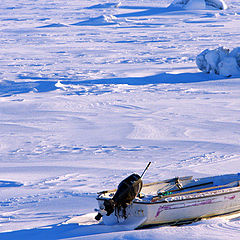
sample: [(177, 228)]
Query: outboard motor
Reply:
[(127, 191)]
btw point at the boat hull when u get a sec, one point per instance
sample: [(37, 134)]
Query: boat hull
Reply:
[(179, 209)]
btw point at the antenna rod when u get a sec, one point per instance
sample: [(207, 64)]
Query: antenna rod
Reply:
[(146, 169)]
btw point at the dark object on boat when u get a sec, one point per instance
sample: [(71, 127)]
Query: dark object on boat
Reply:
[(127, 191)]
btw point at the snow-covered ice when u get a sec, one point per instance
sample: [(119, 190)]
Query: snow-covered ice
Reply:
[(219, 61), (200, 4), (90, 91)]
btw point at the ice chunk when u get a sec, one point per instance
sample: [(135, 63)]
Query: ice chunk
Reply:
[(228, 67), (196, 4), (219, 61), (218, 4), (199, 4), (236, 54), (202, 62), (212, 58)]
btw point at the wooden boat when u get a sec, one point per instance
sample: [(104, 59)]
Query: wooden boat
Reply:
[(176, 201)]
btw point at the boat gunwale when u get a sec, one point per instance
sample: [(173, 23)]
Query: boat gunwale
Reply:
[(165, 200)]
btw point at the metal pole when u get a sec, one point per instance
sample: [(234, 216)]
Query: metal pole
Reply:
[(146, 169)]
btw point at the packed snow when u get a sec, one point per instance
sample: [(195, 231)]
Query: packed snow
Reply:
[(91, 91)]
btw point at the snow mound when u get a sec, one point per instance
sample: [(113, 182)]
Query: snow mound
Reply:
[(106, 5), (220, 61), (53, 25), (199, 4), (98, 21)]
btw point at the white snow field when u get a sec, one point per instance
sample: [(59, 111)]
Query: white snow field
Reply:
[(90, 91)]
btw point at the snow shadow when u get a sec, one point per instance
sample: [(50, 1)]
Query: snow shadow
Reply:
[(111, 20), (9, 88), (58, 231), (103, 5), (144, 10), (10, 184), (162, 78), (53, 25), (149, 11)]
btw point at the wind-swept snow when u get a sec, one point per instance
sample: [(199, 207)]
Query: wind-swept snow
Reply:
[(90, 91)]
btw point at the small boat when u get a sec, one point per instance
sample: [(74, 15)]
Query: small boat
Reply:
[(174, 201)]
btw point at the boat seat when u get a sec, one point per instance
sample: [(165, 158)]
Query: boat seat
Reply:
[(196, 186), (182, 189)]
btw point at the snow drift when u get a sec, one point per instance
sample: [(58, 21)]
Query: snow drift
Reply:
[(98, 21), (199, 4), (220, 61)]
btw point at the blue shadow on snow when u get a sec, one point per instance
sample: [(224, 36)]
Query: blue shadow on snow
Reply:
[(9, 88), (57, 231), (10, 184)]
